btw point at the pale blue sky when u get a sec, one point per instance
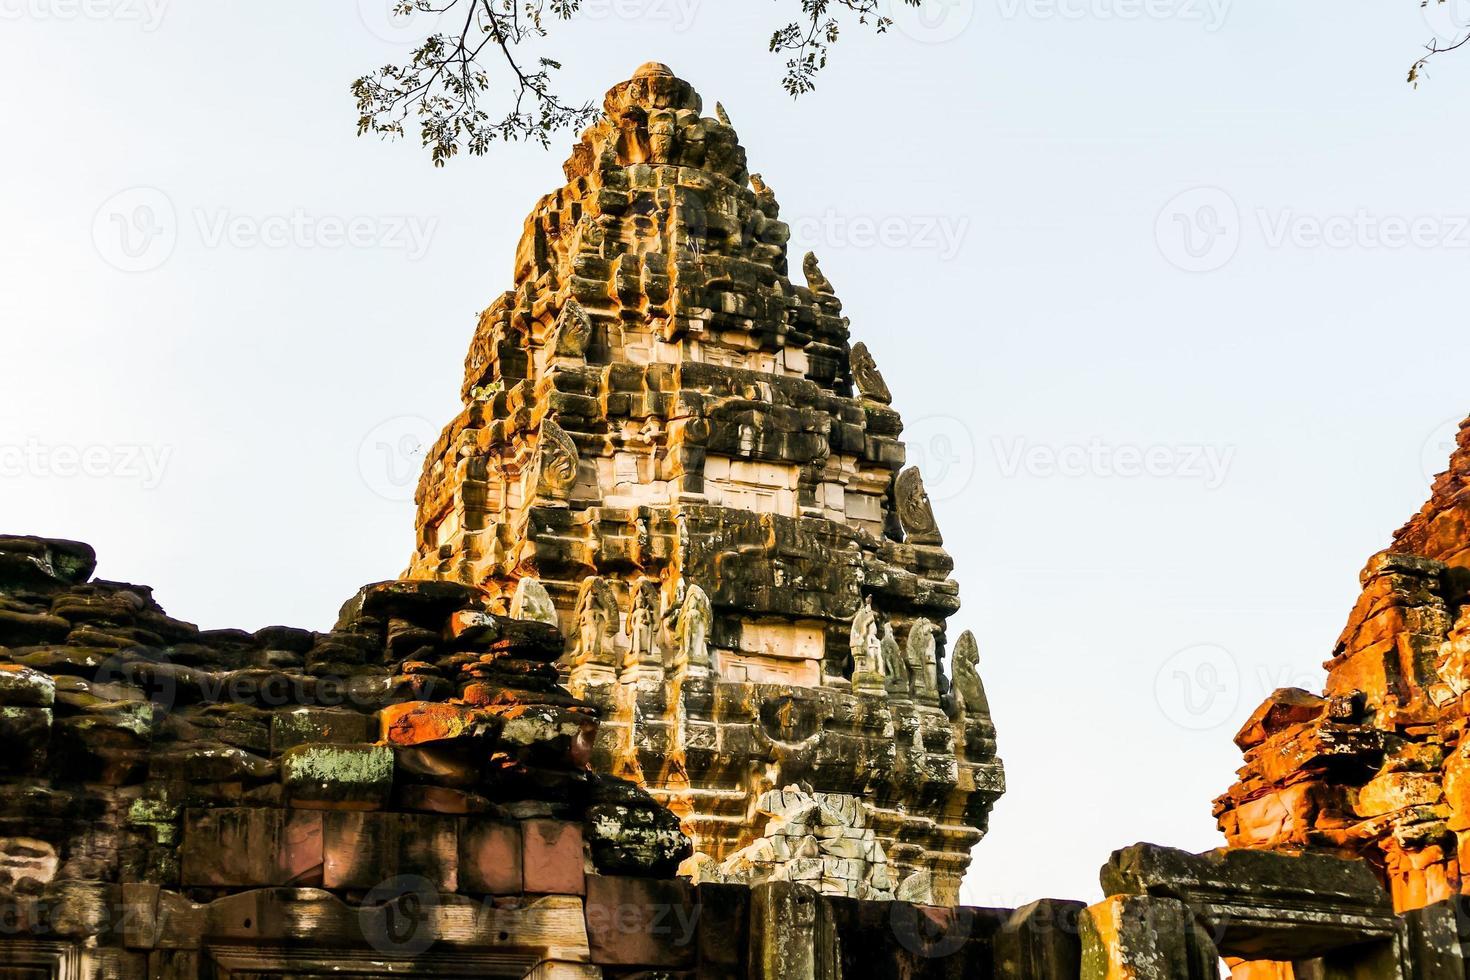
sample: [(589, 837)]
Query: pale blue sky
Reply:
[(990, 193)]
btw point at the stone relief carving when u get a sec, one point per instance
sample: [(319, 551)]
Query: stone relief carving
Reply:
[(573, 331), (557, 461), (821, 839), (865, 375), (597, 622), (914, 510), (531, 601)]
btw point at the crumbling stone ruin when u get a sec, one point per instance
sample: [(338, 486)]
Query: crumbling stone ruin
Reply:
[(673, 452), (1376, 767), (661, 695)]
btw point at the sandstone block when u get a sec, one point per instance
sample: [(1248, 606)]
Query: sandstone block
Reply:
[(363, 849), (251, 846), (490, 854), (552, 860), (641, 922)]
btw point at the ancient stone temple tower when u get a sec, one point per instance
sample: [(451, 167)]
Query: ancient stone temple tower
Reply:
[(672, 451)]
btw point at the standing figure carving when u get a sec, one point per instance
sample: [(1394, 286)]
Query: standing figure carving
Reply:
[(643, 626), (692, 632), (867, 650), (895, 666), (923, 661), (597, 619)]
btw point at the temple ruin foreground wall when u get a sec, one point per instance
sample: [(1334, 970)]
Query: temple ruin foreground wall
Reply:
[(408, 794)]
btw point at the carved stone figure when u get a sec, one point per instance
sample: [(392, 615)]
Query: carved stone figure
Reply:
[(914, 510), (867, 650), (895, 666), (532, 601), (573, 331), (695, 617), (597, 619), (557, 461), (865, 375), (643, 626), (814, 277), (923, 662), (969, 692)]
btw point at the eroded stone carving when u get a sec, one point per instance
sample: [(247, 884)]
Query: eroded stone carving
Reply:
[(573, 331), (818, 282), (643, 627), (923, 661), (694, 621), (900, 682), (597, 622), (969, 692), (531, 601), (557, 461), (867, 651), (914, 510), (865, 375)]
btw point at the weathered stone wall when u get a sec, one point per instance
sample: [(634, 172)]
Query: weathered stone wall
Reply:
[(407, 794), (671, 449)]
